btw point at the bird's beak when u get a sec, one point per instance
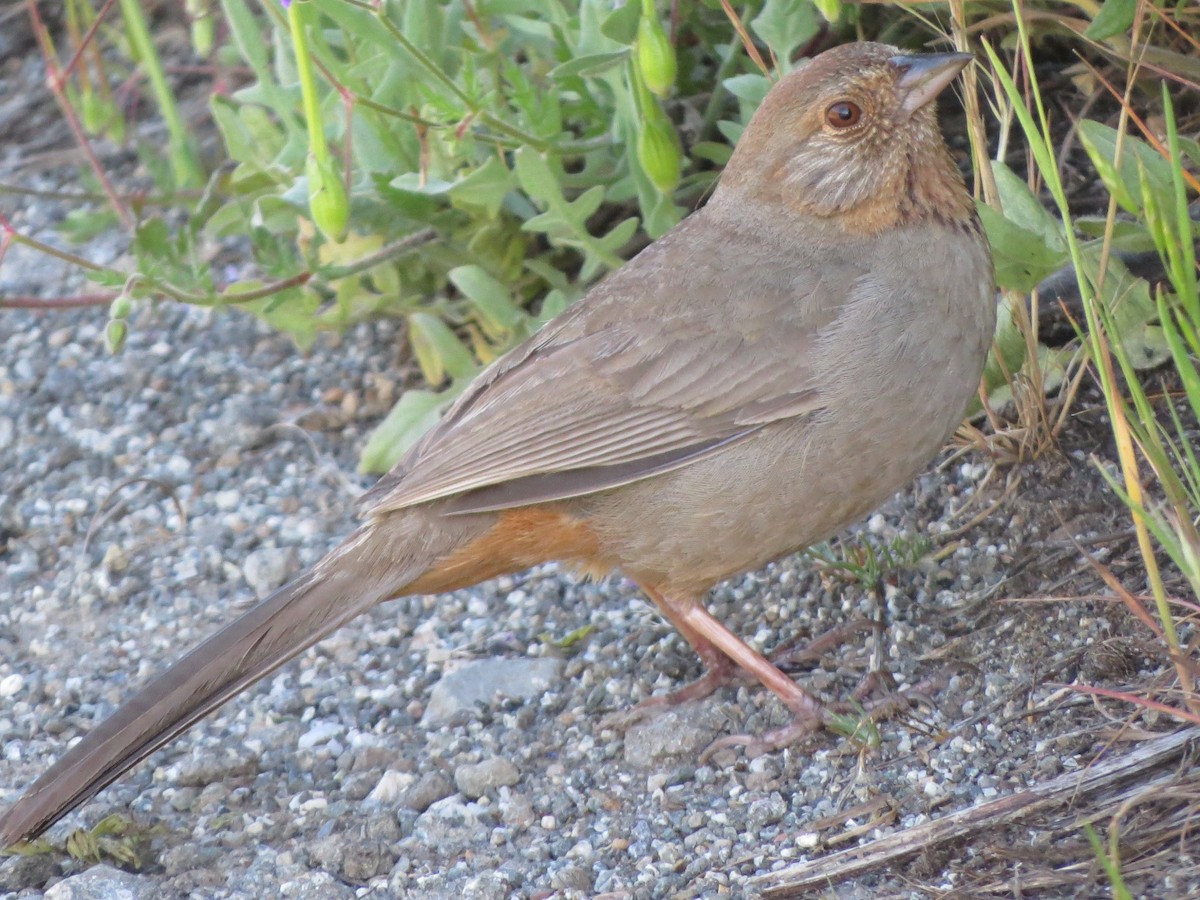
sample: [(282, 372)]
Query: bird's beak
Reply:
[(924, 76)]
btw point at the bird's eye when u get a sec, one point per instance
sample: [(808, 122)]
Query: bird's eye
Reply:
[(843, 114)]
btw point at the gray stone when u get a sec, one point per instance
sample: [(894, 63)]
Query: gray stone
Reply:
[(362, 860), (104, 883), (21, 872), (316, 886), (208, 766), (268, 568), (477, 779), (430, 788), (484, 681), (673, 735), (515, 809), (186, 857), (450, 825)]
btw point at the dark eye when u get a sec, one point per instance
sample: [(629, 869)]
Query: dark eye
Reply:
[(843, 114)]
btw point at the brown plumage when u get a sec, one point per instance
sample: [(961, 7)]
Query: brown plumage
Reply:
[(764, 374)]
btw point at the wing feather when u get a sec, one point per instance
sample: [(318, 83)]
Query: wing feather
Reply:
[(623, 386)]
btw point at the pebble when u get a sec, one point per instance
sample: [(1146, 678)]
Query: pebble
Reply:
[(102, 882), (486, 680), (429, 788), (269, 568), (11, 685), (672, 736), (476, 779)]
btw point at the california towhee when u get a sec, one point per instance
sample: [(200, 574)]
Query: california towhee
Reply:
[(767, 372)]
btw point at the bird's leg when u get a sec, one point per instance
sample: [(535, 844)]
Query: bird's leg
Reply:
[(787, 654), (700, 621), (726, 658), (700, 628), (719, 671)]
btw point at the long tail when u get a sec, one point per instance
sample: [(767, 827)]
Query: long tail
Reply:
[(371, 566)]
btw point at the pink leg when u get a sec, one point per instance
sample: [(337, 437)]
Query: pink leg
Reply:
[(726, 656), (719, 671), (720, 650)]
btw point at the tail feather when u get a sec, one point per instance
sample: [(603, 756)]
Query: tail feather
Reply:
[(355, 576)]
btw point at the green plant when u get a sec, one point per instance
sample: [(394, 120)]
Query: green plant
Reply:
[(114, 838), (867, 563), (1151, 185), (469, 167), (1109, 859)]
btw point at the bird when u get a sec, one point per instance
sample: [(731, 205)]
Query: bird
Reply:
[(764, 374)]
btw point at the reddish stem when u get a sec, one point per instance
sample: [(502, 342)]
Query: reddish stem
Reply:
[(55, 80), (55, 303), (87, 38)]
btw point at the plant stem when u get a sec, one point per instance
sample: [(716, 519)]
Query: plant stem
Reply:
[(184, 164)]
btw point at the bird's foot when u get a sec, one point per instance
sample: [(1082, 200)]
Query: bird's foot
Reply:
[(801, 727), (720, 673), (788, 656), (877, 697), (874, 700)]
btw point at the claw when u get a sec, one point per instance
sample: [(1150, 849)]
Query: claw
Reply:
[(769, 741), (788, 655)]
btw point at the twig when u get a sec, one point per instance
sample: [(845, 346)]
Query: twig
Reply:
[(794, 880)]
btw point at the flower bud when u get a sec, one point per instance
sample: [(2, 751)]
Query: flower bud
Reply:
[(658, 152), (114, 335), (654, 54), (327, 200), (121, 306)]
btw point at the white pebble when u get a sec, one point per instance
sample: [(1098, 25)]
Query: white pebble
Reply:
[(11, 685)]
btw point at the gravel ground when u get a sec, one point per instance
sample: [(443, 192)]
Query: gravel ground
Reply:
[(453, 746), (145, 498)]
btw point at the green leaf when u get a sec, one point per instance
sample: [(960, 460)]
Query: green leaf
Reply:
[(731, 131), (535, 175), (1130, 236), (415, 413), (1022, 208), (292, 311), (564, 222), (1133, 313), (1021, 257), (247, 33), (364, 25), (153, 239), (1008, 349), (1115, 17), (485, 188), (554, 302), (786, 24), (1124, 181), (586, 66), (712, 151), (750, 88), (85, 223), (621, 24), (830, 9), (438, 350), (493, 302)]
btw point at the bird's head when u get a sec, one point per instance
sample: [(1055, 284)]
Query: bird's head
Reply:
[(852, 135)]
